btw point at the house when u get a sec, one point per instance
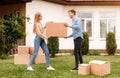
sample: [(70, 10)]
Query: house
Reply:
[(98, 18)]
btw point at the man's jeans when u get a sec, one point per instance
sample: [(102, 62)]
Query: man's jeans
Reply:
[(77, 52)]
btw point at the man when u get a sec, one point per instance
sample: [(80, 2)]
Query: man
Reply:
[(77, 36)]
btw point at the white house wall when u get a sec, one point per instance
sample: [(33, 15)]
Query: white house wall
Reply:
[(58, 13), (50, 12)]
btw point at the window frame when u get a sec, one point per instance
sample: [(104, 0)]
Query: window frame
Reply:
[(85, 26), (107, 27)]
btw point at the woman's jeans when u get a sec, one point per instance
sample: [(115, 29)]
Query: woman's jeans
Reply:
[(39, 42)]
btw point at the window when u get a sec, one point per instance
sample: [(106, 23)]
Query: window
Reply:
[(86, 22), (107, 24)]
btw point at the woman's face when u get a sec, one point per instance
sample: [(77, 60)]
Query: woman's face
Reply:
[(40, 17)]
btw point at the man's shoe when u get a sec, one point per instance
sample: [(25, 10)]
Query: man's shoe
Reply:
[(74, 69)]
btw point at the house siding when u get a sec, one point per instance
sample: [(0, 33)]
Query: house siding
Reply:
[(58, 13)]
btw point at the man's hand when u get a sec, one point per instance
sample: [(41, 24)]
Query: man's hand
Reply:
[(66, 25)]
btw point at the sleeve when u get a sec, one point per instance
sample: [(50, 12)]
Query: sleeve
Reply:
[(70, 35), (76, 24)]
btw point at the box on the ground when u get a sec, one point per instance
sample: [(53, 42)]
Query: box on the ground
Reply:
[(31, 50), (84, 69), (40, 59), (100, 68), (21, 59), (56, 29), (23, 50)]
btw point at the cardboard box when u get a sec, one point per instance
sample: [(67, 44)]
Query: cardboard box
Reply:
[(23, 50), (56, 29), (21, 59), (100, 68), (84, 69), (40, 59), (31, 50)]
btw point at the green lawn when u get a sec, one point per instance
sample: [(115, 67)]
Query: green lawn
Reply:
[(63, 64)]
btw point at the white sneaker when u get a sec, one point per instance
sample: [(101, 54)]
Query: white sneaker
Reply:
[(30, 68), (50, 68)]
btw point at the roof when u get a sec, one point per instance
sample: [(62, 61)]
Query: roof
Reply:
[(86, 2), (8, 2)]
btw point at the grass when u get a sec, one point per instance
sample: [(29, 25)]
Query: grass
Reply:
[(63, 64)]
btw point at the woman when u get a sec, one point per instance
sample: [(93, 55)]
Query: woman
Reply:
[(39, 41)]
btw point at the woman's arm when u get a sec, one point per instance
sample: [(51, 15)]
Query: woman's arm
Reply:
[(40, 32)]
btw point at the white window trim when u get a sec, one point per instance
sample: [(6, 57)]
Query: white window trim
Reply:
[(85, 26), (103, 39)]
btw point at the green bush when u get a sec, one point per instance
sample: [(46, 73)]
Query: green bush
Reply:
[(11, 29), (95, 52), (53, 46), (85, 44), (111, 43)]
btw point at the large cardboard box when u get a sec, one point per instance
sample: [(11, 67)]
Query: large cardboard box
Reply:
[(23, 50), (100, 68), (56, 29), (31, 50), (84, 69), (40, 59), (21, 59)]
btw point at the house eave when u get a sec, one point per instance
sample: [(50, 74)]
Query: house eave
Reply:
[(86, 2), (9, 2)]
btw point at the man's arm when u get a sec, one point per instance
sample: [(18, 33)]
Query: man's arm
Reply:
[(70, 36), (76, 24)]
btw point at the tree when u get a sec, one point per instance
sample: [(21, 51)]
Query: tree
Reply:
[(53, 45), (111, 43), (85, 44), (11, 29)]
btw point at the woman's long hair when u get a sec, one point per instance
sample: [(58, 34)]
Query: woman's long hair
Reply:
[(36, 19)]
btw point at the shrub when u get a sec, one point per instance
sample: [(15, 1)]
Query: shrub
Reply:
[(85, 44), (95, 52), (11, 29), (53, 46), (111, 43)]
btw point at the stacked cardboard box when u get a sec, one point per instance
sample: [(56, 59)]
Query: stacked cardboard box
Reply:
[(100, 68), (31, 50), (96, 67), (40, 58), (23, 50), (21, 59), (84, 69), (23, 55), (56, 29)]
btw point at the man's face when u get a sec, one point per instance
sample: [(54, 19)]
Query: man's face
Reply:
[(71, 15)]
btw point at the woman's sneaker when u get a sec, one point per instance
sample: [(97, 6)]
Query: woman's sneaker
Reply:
[(50, 68), (30, 68)]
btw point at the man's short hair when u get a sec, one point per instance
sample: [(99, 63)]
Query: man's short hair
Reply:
[(73, 11)]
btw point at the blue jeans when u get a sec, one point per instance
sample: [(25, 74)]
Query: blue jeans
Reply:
[(40, 42)]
